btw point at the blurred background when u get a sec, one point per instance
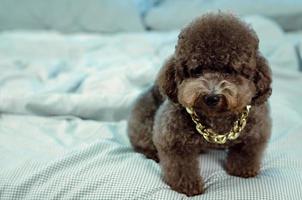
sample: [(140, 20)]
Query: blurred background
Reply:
[(108, 16), (135, 15)]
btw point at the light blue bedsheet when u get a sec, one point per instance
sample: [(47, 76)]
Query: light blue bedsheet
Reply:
[(64, 100)]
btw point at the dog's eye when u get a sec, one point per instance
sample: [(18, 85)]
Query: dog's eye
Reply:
[(186, 71), (195, 72), (229, 71)]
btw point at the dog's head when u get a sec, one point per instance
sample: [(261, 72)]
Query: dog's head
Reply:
[(216, 67)]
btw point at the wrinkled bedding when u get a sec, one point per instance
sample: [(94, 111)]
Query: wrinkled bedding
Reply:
[(64, 100)]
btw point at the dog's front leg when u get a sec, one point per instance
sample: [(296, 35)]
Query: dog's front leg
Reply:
[(178, 150), (244, 159), (181, 171)]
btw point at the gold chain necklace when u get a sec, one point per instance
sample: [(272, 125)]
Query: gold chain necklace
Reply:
[(213, 137)]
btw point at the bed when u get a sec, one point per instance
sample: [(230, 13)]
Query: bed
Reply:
[(64, 102)]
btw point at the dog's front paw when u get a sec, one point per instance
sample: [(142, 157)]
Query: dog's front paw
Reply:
[(245, 171), (188, 187)]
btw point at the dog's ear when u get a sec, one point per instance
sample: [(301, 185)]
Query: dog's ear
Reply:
[(262, 80), (166, 80)]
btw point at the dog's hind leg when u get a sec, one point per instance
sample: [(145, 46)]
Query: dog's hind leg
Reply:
[(140, 123)]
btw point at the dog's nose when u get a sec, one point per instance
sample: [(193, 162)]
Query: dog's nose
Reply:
[(212, 99)]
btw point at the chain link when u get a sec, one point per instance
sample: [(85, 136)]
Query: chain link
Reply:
[(213, 137)]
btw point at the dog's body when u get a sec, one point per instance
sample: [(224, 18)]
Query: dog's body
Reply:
[(217, 72)]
